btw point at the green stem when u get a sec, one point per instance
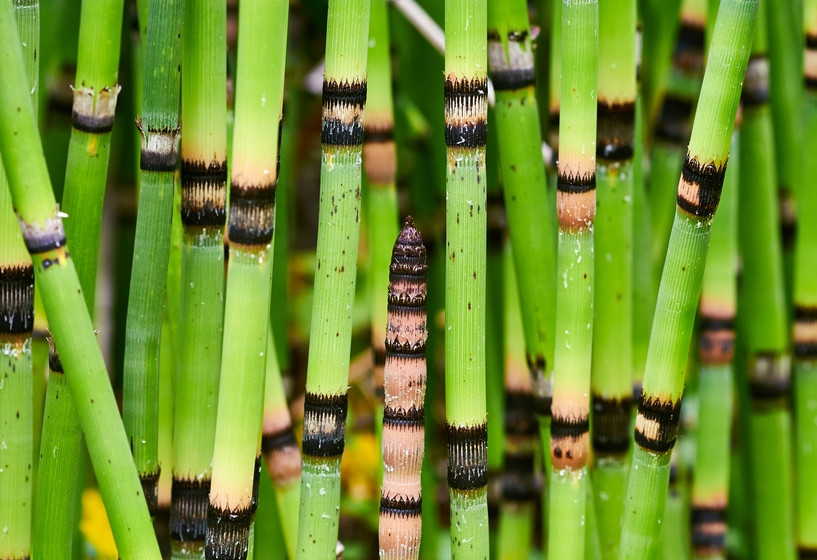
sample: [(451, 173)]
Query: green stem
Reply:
[(344, 97), (698, 196), (159, 126), (465, 274)]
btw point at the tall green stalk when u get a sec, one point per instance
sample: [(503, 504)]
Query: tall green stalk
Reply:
[(16, 329), (530, 216), (764, 328), (612, 368), (203, 214), (699, 191), (716, 346), (69, 321), (159, 127), (344, 98), (465, 274), (281, 453), (379, 165), (805, 308), (674, 124), (576, 209), (254, 172), (517, 508)]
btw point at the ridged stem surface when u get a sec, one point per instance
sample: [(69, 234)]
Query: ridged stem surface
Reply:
[(203, 215), (159, 156), (699, 191), (576, 210), (465, 274), (344, 98)]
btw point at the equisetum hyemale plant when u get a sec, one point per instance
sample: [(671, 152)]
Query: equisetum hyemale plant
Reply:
[(379, 165), (254, 176), (16, 328), (612, 362), (465, 224), (805, 308), (576, 209), (763, 313), (699, 190), (511, 69), (716, 348), (158, 160), (405, 383), (344, 98), (44, 236), (203, 215)]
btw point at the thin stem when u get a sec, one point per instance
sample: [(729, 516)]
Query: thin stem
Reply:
[(699, 191), (344, 98)]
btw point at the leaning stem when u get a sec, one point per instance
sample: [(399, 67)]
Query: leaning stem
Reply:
[(699, 191)]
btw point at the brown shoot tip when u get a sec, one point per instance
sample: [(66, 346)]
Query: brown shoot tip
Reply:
[(409, 235)]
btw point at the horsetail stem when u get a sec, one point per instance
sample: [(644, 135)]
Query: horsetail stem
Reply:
[(612, 360), (281, 452), (465, 306), (675, 124), (805, 307), (699, 191), (763, 313), (405, 382), (785, 65), (16, 330), (159, 156), (710, 487), (95, 92), (511, 68), (44, 235), (379, 166), (518, 487), (258, 103), (576, 208), (204, 190), (555, 78), (60, 449), (344, 97)]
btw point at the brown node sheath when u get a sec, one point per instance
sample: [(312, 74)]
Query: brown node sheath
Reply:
[(699, 190), (189, 502), (204, 193), (611, 424), (520, 444), (466, 109), (656, 425), (150, 489), (510, 69), (675, 120), (252, 213), (806, 553), (324, 425), (576, 201), (54, 362), (379, 153), (615, 130), (342, 113), (94, 113), (49, 236), (467, 457), (16, 300), (688, 57), (708, 530), (810, 62), (543, 391), (569, 442), (755, 91), (769, 377), (805, 332), (716, 345), (228, 533), (281, 453), (160, 148)]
